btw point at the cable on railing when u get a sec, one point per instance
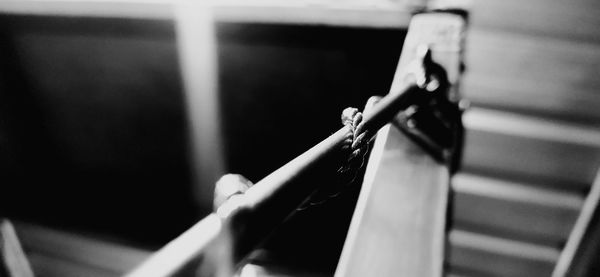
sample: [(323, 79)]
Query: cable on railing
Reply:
[(246, 214)]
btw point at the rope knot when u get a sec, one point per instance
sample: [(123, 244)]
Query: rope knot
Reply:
[(356, 146), (358, 138)]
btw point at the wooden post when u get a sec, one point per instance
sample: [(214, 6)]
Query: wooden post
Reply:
[(198, 61), (399, 224), (580, 255), (12, 258)]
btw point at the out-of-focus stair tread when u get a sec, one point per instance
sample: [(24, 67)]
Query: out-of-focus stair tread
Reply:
[(499, 257), (531, 149), (518, 192), (531, 127), (514, 210)]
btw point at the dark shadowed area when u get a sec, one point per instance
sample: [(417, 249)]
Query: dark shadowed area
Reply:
[(94, 134)]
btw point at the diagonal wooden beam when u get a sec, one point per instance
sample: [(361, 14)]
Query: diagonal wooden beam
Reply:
[(399, 224), (579, 258), (12, 256)]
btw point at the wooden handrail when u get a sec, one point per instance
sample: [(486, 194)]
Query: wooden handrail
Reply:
[(243, 222)]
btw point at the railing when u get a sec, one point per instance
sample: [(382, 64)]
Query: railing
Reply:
[(216, 244)]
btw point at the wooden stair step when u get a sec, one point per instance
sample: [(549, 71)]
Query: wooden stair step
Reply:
[(531, 149), (492, 256), (516, 210), (526, 74)]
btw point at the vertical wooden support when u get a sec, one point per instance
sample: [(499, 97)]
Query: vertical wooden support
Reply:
[(198, 60), (580, 257), (399, 224), (13, 262)]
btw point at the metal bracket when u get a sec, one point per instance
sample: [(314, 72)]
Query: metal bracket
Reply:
[(433, 121)]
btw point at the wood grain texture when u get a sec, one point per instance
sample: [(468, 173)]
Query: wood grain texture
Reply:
[(399, 224), (399, 221)]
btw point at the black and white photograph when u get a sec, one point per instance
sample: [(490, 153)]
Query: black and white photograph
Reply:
[(299, 138)]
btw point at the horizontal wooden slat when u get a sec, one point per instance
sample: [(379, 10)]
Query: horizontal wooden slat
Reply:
[(382, 13), (546, 76), (47, 244), (531, 149), (571, 20), (491, 256), (514, 210)]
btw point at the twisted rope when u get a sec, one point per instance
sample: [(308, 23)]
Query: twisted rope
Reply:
[(357, 140), (356, 146)]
